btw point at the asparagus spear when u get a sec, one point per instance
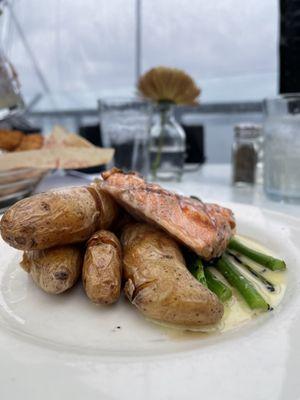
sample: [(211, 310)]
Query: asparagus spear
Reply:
[(269, 285), (194, 265), (215, 285), (245, 288), (198, 271), (267, 261)]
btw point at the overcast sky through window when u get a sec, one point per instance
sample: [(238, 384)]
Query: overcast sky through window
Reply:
[(86, 47)]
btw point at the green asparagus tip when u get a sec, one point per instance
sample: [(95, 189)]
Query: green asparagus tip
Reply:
[(196, 268), (274, 264)]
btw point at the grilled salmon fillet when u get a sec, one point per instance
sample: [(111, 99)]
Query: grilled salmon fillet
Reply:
[(204, 228)]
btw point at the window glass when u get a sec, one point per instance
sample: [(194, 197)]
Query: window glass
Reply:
[(229, 46), (86, 48), (81, 46)]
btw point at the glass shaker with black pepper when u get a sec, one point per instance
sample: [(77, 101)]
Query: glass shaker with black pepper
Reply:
[(247, 154)]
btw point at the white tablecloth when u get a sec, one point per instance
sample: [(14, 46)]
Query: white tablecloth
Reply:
[(212, 182)]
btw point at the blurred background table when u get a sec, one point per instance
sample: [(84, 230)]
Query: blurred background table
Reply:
[(212, 182)]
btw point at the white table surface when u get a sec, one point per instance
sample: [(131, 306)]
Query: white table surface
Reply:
[(213, 181)]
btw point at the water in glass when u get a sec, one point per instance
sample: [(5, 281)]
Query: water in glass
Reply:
[(125, 126), (282, 148)]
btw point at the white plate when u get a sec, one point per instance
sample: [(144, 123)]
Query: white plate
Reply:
[(66, 347)]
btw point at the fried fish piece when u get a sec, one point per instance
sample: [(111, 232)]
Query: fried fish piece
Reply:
[(158, 282), (10, 140), (204, 228), (31, 142)]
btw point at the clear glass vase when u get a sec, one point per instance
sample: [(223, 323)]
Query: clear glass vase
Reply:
[(167, 146)]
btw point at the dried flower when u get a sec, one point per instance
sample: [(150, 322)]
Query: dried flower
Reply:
[(163, 84)]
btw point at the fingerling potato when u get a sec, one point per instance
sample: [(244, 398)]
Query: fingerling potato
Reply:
[(61, 216), (102, 269), (54, 270), (158, 282)]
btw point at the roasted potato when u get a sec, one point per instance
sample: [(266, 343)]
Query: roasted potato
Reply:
[(101, 273), (158, 282), (54, 270), (61, 216)]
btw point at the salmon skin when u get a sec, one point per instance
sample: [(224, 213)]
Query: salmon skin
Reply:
[(204, 228)]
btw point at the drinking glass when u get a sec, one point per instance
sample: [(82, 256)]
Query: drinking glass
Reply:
[(282, 148), (125, 126)]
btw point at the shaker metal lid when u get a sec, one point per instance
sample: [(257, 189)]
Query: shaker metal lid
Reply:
[(247, 130)]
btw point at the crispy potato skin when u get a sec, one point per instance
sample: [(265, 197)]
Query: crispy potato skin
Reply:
[(158, 282), (102, 268), (61, 216), (54, 270)]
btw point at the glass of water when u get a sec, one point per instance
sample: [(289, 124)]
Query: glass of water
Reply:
[(282, 148), (125, 126)]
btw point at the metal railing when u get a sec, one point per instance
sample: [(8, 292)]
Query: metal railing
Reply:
[(206, 108)]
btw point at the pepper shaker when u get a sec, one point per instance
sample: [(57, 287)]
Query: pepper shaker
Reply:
[(247, 154)]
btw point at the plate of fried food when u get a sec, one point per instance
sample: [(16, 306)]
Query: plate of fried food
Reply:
[(17, 183), (26, 159), (125, 289)]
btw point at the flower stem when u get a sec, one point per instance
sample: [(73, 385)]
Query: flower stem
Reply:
[(156, 162)]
